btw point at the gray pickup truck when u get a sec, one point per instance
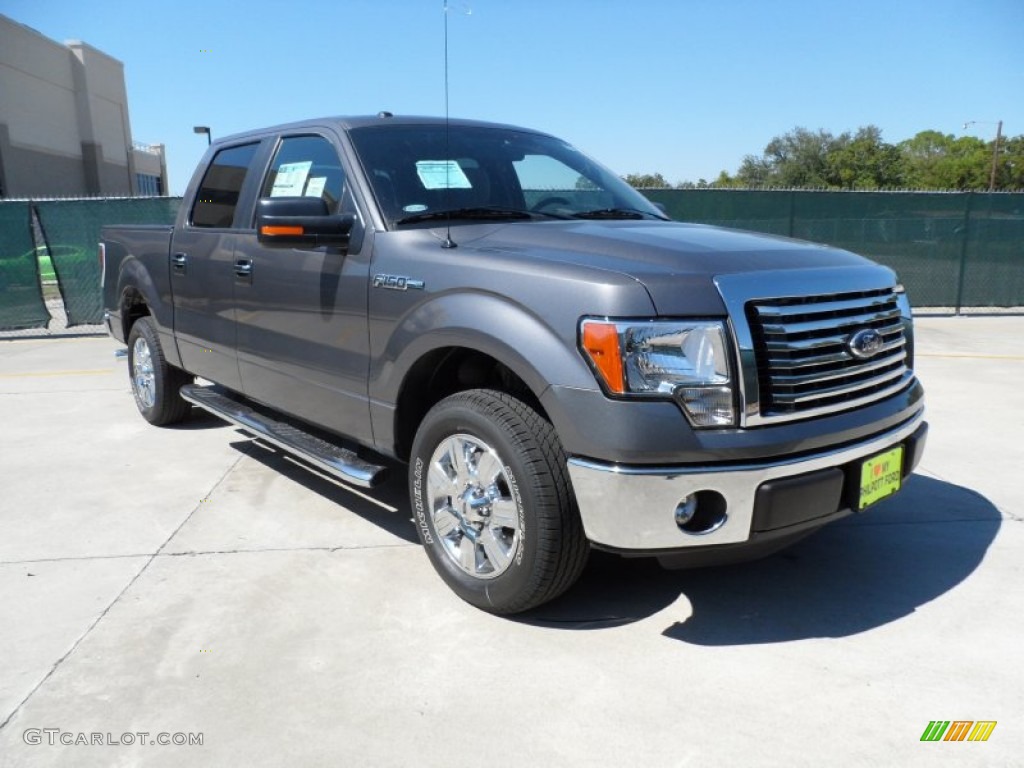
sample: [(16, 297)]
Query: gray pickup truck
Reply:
[(560, 366)]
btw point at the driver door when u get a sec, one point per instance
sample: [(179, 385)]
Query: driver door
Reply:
[(301, 311)]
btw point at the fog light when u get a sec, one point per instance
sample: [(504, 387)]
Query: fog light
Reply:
[(686, 510), (701, 513)]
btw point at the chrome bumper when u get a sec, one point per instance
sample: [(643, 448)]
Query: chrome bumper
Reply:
[(632, 507)]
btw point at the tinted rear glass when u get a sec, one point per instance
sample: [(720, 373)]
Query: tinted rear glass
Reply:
[(218, 194)]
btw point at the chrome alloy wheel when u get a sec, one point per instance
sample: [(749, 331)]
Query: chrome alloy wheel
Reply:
[(475, 514), (143, 378)]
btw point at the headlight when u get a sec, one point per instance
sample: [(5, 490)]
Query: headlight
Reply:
[(688, 361)]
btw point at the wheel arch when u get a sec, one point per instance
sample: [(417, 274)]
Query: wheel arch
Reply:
[(132, 306), (445, 371), (467, 341), (140, 296)]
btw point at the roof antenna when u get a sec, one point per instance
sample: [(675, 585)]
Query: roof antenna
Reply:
[(447, 242)]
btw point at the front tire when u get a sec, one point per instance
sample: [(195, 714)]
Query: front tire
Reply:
[(155, 383), (493, 504)]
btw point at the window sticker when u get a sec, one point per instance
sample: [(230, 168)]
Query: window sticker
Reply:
[(315, 186), (290, 179), (441, 174)]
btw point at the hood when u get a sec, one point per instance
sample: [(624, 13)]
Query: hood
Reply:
[(676, 262)]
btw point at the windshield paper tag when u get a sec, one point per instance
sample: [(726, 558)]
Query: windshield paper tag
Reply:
[(290, 179), (442, 174), (315, 186)]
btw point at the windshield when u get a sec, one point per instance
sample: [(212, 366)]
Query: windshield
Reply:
[(419, 174)]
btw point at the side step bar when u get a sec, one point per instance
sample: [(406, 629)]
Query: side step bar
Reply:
[(340, 462)]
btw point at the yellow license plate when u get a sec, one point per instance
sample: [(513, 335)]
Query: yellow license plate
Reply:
[(880, 476)]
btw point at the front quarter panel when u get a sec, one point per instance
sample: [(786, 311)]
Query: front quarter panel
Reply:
[(519, 311)]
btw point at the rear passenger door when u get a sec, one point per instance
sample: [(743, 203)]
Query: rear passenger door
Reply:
[(302, 325), (202, 265)]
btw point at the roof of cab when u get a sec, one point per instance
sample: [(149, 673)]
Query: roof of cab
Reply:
[(364, 121)]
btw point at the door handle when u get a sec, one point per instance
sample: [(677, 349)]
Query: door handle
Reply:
[(179, 263), (243, 268)]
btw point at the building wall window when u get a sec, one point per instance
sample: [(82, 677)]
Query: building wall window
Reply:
[(148, 185)]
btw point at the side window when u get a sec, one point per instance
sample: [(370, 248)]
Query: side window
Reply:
[(545, 178), (218, 194), (306, 166)]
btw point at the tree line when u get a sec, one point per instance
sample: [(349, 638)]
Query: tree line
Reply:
[(931, 160)]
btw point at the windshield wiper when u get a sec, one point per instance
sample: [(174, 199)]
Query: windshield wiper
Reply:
[(615, 213), (487, 214)]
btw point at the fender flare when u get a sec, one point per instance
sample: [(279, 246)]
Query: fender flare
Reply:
[(486, 323), (134, 276)]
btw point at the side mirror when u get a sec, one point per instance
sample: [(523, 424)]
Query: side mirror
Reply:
[(300, 221)]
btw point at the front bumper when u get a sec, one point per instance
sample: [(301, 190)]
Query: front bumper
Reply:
[(632, 508)]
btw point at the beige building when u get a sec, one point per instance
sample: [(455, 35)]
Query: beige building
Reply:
[(64, 128)]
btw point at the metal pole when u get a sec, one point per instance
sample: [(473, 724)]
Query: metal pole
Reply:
[(995, 157), (963, 253)]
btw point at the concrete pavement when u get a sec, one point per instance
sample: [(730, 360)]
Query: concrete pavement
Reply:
[(187, 581)]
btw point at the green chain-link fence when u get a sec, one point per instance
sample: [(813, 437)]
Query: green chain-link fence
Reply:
[(949, 249), (21, 298), (59, 254), (71, 230)]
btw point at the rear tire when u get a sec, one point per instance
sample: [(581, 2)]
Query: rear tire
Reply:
[(493, 504), (155, 383)]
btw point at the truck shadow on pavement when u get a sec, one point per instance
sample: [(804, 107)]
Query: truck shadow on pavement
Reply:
[(857, 574), (386, 506), (854, 575)]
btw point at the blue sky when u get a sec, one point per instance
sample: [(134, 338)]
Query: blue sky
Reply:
[(681, 87)]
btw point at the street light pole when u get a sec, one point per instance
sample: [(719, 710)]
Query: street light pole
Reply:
[(203, 129)]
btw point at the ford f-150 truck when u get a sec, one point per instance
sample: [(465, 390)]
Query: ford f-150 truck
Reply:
[(559, 365)]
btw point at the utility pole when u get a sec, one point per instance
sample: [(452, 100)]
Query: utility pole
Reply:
[(995, 150), (995, 158)]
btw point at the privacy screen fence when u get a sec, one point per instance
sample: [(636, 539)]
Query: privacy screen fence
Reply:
[(952, 250), (52, 245)]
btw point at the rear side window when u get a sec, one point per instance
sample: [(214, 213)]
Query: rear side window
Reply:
[(306, 166), (218, 194)]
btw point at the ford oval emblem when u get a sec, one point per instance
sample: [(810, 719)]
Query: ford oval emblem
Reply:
[(865, 343)]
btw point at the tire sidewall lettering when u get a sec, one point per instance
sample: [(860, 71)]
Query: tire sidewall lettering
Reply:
[(520, 510), (420, 512)]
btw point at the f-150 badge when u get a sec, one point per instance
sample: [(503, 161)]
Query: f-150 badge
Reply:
[(397, 283)]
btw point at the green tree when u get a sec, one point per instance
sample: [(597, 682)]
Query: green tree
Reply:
[(803, 158), (725, 180), (1010, 164), (646, 181), (864, 161), (794, 159), (935, 160)]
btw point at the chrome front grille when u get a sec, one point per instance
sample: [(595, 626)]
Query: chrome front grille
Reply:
[(803, 352)]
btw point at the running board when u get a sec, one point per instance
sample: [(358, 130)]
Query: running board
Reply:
[(340, 462)]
